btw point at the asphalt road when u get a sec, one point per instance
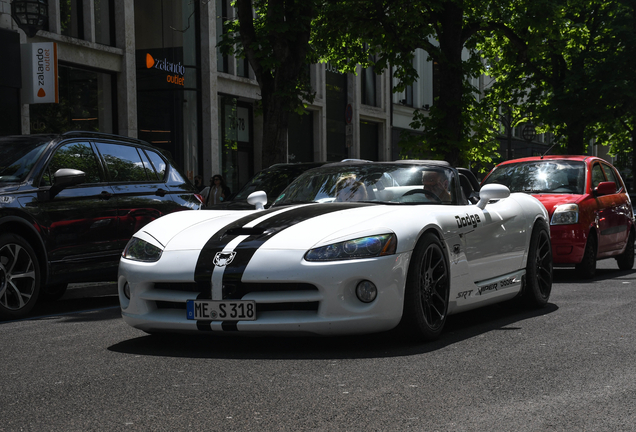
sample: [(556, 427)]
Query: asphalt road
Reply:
[(76, 366)]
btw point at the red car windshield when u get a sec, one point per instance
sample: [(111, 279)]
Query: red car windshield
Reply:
[(553, 176)]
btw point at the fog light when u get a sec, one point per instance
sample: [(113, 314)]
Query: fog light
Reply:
[(366, 291), (127, 290)]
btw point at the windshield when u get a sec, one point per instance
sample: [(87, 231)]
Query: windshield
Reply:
[(557, 177), (398, 183), (18, 155)]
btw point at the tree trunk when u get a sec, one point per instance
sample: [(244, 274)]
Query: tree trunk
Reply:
[(275, 125), (575, 138), (451, 84)]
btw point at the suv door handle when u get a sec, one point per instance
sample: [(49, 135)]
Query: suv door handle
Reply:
[(161, 192), (105, 195)]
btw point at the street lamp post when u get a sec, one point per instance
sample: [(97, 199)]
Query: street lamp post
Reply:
[(30, 15)]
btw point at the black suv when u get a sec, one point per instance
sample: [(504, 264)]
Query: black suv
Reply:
[(69, 203)]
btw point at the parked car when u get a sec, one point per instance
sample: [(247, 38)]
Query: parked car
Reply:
[(410, 250), (591, 216), (272, 180), (69, 203)]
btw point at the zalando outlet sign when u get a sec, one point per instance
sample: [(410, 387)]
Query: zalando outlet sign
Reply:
[(176, 71), (39, 73)]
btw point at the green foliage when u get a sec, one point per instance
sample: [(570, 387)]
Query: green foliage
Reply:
[(561, 61)]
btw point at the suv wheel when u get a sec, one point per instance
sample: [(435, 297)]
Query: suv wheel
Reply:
[(19, 277)]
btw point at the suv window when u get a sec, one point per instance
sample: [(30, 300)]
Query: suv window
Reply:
[(158, 162), (77, 155), (123, 163)]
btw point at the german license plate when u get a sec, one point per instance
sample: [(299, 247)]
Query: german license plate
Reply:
[(226, 310)]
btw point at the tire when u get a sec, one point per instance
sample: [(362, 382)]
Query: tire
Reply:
[(51, 293), (538, 282), (19, 277), (587, 267), (626, 259), (427, 290)]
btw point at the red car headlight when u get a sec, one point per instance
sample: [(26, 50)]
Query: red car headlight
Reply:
[(565, 214)]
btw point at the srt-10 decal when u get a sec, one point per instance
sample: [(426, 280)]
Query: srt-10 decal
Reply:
[(464, 221), (485, 289)]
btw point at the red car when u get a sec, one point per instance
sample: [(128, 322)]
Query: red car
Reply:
[(591, 216)]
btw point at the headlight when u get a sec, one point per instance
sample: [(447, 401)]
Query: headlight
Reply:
[(364, 247), (140, 250), (565, 214)]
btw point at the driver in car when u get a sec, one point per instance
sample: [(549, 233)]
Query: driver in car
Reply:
[(436, 183)]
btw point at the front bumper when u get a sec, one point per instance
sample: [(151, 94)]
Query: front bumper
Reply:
[(295, 296), (568, 244)]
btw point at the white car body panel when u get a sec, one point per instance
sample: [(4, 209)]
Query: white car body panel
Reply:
[(486, 251)]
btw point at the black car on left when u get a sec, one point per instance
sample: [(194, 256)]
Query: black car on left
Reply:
[(69, 203)]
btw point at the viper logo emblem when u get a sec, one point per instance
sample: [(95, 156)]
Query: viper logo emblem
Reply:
[(221, 259)]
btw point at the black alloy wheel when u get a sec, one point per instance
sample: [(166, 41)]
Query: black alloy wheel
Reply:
[(626, 259), (19, 277), (427, 290), (538, 268), (587, 267)]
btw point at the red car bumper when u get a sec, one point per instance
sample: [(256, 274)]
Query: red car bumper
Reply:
[(568, 243)]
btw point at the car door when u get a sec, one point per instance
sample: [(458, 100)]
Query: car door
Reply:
[(141, 192), (605, 212), (492, 240), (618, 211), (80, 221)]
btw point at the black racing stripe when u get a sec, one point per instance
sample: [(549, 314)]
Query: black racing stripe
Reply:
[(205, 262), (232, 287), (216, 243)]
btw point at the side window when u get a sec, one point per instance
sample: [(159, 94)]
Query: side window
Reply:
[(597, 175), (611, 176), (75, 155), (123, 163), (152, 175), (158, 162)]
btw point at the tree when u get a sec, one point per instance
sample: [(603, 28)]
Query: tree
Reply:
[(459, 126), (274, 37), (558, 60)]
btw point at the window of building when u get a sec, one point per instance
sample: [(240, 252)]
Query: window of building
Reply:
[(336, 86), (369, 144), (368, 81), (222, 62), (436, 81), (242, 68), (300, 138), (86, 103), (104, 22), (72, 18)]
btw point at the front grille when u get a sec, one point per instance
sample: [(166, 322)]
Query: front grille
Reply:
[(260, 307), (241, 287)]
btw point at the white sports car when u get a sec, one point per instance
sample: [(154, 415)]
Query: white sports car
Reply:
[(350, 247)]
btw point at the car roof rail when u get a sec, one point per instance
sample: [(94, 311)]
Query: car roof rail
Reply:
[(90, 134)]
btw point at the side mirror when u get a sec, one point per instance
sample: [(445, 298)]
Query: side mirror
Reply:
[(257, 199), (605, 188), (492, 192), (66, 177)]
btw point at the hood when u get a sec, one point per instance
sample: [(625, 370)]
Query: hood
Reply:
[(291, 227), (550, 201)]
